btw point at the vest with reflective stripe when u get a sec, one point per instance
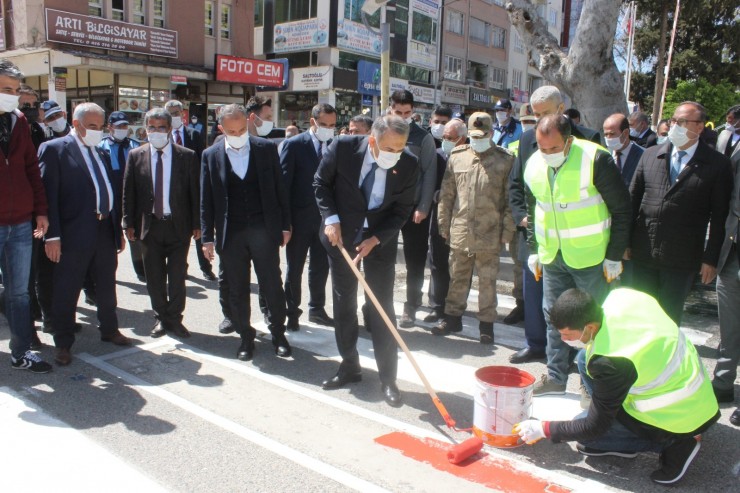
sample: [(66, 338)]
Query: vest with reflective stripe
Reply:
[(513, 147), (570, 215), (672, 391)]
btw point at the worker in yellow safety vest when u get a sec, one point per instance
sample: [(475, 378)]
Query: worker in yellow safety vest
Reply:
[(649, 389)]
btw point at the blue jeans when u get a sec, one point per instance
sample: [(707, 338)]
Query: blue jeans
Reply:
[(617, 437), (557, 278), (16, 253), (535, 327)]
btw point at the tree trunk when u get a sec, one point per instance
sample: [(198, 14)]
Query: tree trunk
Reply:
[(587, 73), (660, 64)]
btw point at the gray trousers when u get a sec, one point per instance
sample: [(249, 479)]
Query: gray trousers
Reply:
[(728, 300)]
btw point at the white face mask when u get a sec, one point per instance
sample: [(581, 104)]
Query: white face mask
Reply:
[(555, 160), (527, 126), (8, 102), (408, 120), (480, 145), (237, 141), (501, 116), (679, 136), (634, 132), (92, 137), (324, 134), (613, 143), (120, 133), (447, 146), (577, 344), (158, 139), (438, 130), (59, 125), (662, 139), (264, 129), (176, 122), (387, 159)]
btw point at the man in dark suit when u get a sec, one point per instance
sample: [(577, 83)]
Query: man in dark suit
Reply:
[(185, 136), (161, 208), (300, 157), (640, 131), (243, 198), (545, 100), (365, 188), (678, 189), (728, 141), (84, 227)]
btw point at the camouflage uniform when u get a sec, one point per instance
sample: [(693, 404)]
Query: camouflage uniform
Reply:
[(474, 215)]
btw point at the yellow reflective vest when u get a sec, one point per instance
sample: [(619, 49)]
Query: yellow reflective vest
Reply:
[(570, 215), (673, 391)]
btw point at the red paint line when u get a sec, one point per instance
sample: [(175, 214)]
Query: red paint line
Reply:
[(481, 468)]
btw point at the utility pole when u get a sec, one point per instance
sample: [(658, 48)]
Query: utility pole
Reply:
[(369, 8), (668, 63)]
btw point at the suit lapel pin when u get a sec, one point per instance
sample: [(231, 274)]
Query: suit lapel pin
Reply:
[(395, 172)]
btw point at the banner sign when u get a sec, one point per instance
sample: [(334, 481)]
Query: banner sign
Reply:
[(312, 78), (368, 78), (301, 35), (355, 37), (249, 71)]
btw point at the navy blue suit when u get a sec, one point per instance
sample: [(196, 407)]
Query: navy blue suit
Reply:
[(299, 161), (629, 163), (86, 241)]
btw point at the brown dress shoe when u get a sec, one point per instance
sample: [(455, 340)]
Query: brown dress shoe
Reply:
[(63, 356), (116, 338), (180, 331)]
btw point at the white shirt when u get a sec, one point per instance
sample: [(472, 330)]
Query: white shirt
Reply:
[(239, 158), (167, 174), (181, 131), (623, 153), (316, 141), (689, 154), (103, 172)]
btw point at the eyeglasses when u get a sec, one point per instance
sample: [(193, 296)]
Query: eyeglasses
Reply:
[(681, 122)]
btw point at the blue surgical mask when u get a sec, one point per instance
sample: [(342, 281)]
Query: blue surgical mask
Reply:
[(662, 139), (447, 146)]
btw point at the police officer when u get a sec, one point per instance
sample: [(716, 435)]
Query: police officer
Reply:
[(475, 219), (650, 391)]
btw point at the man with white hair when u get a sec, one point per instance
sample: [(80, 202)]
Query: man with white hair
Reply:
[(84, 227)]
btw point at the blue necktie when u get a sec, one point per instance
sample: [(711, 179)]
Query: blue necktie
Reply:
[(368, 182), (103, 198), (676, 166)]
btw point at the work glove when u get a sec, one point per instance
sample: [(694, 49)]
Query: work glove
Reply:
[(612, 269), (530, 431), (533, 262)]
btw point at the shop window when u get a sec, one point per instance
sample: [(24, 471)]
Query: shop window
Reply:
[(456, 22), (516, 79), (353, 12), (117, 9), (159, 11), (479, 31), (209, 19), (498, 37), (139, 12), (259, 13), (453, 68), (498, 78), (518, 43), (424, 28), (294, 10), (225, 22), (477, 74), (95, 7), (401, 24)]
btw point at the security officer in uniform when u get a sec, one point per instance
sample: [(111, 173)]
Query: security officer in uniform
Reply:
[(649, 389), (475, 219)]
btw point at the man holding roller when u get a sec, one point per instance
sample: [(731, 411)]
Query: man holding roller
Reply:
[(649, 390)]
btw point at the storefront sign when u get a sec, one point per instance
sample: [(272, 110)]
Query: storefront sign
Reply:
[(398, 84), (248, 71), (429, 7), (311, 78), (422, 94), (96, 32), (355, 37), (60, 78), (178, 80), (480, 98), (454, 94), (286, 76), (422, 55), (367, 100), (301, 35), (422, 48), (368, 78)]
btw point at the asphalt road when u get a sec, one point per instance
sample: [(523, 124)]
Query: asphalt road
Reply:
[(170, 415)]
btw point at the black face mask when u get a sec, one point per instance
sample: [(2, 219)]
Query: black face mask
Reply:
[(30, 112)]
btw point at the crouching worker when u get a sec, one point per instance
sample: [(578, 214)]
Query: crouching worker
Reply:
[(649, 390)]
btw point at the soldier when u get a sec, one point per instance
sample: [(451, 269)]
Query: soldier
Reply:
[(475, 219)]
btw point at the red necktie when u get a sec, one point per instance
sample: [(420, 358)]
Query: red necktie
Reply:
[(619, 160), (178, 139)]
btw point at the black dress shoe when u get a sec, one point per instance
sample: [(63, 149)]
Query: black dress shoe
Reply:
[(90, 299), (226, 327), (141, 278), (433, 317), (724, 396), (320, 317), (282, 347), (407, 320), (246, 350), (526, 355), (293, 324), (341, 379), (208, 275), (180, 331), (516, 314), (735, 417), (158, 330), (391, 394)]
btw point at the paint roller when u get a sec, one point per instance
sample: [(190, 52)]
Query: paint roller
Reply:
[(460, 451)]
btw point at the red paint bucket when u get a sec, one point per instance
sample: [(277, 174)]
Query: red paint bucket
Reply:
[(503, 398)]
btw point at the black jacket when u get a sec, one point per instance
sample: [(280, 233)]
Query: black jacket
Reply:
[(650, 139), (670, 220), (299, 163)]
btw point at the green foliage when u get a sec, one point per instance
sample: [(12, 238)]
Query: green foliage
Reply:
[(717, 98)]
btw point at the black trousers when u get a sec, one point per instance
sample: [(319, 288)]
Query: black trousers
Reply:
[(248, 245), (203, 262), (166, 266), (44, 284), (438, 259), (223, 289), (380, 273), (137, 258), (670, 287), (415, 246), (305, 239), (99, 256)]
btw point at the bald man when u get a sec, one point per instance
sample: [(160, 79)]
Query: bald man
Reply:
[(625, 152)]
